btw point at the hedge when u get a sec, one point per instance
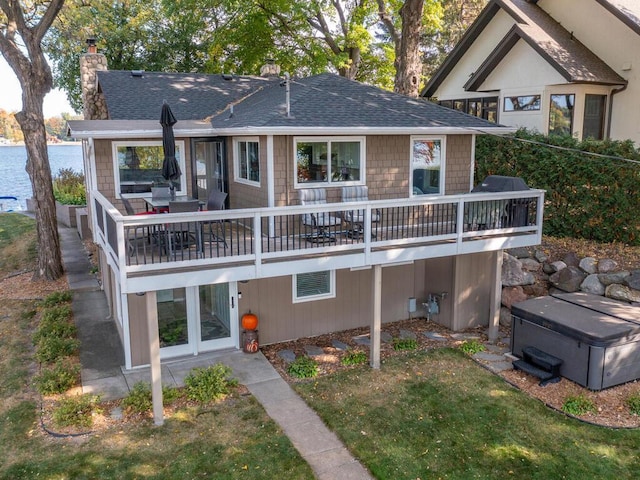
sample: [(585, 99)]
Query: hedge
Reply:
[(587, 196)]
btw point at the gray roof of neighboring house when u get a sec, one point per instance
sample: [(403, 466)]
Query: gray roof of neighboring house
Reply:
[(574, 61), (192, 96)]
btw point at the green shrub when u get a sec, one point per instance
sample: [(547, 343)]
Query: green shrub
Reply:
[(633, 402), (208, 384), (75, 411), (355, 357), (56, 298), (170, 394), (471, 347), (303, 367), (405, 343), (57, 378), (55, 322), (578, 405), (68, 187), (139, 399), (51, 349)]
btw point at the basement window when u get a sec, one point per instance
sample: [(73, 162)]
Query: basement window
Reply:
[(314, 286)]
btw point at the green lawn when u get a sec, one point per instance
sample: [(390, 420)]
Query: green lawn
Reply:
[(440, 415)]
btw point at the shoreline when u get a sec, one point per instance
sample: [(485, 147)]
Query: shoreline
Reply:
[(21, 144)]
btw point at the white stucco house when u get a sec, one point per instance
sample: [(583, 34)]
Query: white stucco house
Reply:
[(555, 66)]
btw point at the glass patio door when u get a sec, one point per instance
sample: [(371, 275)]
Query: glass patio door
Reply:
[(217, 317), (210, 166), (174, 329)]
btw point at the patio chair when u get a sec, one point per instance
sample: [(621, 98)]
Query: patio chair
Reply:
[(355, 218), (319, 223), (216, 201), (132, 243), (184, 235), (161, 192)]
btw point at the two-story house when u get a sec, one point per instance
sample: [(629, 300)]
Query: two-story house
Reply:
[(566, 67), (285, 157)]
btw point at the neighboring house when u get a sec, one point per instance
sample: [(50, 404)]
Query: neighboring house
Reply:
[(265, 141), (556, 66)]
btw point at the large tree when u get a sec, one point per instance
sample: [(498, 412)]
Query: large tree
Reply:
[(23, 26)]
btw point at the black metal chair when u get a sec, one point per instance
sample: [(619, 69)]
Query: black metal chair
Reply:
[(182, 236), (216, 201), (321, 223), (355, 218)]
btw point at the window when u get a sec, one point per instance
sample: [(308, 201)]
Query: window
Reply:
[(327, 161), (522, 103), (138, 167), (561, 114), (483, 107), (593, 125), (314, 286), (247, 161), (427, 171)]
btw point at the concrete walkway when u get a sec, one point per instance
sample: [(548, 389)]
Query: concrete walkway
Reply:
[(102, 357)]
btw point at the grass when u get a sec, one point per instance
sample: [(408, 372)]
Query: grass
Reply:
[(439, 415), (17, 242)]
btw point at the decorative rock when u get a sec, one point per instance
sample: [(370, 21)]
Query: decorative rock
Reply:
[(622, 292), (512, 273), (633, 280), (287, 355), (537, 289), (407, 334), (531, 265), (313, 350), (362, 340), (506, 340), (568, 279), (613, 277), (571, 259), (435, 336), (557, 266), (519, 252), (540, 256), (116, 413), (505, 317), (386, 337), (511, 295), (592, 284), (338, 345), (606, 265), (589, 265)]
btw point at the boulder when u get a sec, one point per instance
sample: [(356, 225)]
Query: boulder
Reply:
[(589, 265), (592, 284), (622, 292), (540, 256), (511, 295), (519, 252), (571, 259), (554, 267), (531, 265), (613, 277), (513, 274), (568, 279), (607, 265), (538, 289), (633, 280), (505, 317)]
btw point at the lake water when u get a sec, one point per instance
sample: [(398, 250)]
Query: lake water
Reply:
[(14, 180)]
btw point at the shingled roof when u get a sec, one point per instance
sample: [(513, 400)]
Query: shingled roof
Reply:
[(574, 61), (138, 95)]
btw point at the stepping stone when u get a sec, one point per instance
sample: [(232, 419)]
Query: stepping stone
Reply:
[(313, 350), (497, 367), (386, 337), (362, 340), (506, 340), (287, 355), (495, 348), (465, 336), (435, 336), (338, 345), (488, 357), (116, 413), (407, 334)]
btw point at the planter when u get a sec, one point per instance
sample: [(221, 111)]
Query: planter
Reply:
[(67, 214)]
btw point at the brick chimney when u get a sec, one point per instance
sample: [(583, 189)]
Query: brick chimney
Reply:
[(270, 69), (95, 107)]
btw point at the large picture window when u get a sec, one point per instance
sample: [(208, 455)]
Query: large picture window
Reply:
[(138, 167), (522, 103), (561, 114), (326, 161), (247, 160), (427, 166), (314, 286)]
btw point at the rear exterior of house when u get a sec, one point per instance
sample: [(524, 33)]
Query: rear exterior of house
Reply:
[(418, 240), (557, 67)]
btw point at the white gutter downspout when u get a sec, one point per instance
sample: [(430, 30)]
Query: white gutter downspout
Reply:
[(610, 112), (271, 201)]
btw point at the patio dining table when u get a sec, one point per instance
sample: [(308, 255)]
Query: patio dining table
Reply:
[(157, 204)]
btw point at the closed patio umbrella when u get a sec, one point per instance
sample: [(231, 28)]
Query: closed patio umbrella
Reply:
[(170, 168)]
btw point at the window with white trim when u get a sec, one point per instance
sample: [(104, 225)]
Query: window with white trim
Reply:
[(137, 167), (314, 286), (338, 160), (427, 165), (246, 153)]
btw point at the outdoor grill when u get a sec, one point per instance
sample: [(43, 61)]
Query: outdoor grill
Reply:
[(596, 338), (513, 213)]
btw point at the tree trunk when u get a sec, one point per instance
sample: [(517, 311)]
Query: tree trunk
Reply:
[(408, 64)]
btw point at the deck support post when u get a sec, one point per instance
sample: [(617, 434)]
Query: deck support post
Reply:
[(154, 356), (495, 296), (376, 321)]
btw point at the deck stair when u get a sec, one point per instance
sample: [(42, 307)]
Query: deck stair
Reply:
[(539, 364)]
